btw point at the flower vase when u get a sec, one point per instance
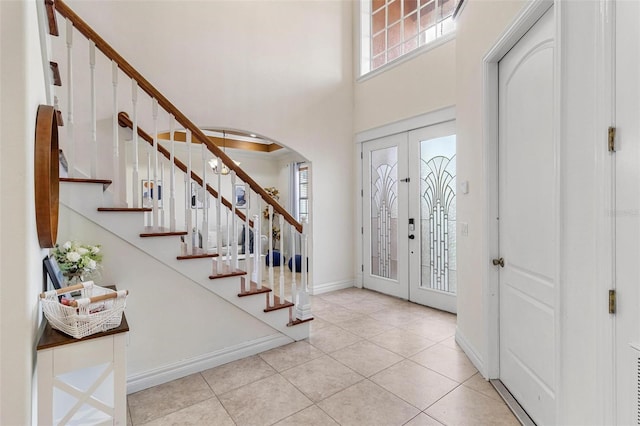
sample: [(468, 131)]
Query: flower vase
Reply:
[(73, 278)]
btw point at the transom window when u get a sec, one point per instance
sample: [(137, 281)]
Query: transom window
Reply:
[(392, 28)]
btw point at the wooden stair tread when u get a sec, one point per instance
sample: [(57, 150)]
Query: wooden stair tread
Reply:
[(298, 321), (226, 272), (150, 231), (253, 289), (123, 209), (197, 254), (105, 182), (277, 304)]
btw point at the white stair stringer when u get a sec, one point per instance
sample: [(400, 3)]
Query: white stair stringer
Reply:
[(85, 199)]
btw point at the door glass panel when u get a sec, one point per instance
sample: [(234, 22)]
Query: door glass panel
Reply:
[(438, 213), (384, 212)]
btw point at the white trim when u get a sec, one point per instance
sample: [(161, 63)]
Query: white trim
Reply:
[(327, 287), (604, 200), (521, 24), (408, 56), (423, 120), (559, 119), (183, 368), (472, 353), (358, 219)]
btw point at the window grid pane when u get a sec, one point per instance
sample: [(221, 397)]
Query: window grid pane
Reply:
[(401, 26)]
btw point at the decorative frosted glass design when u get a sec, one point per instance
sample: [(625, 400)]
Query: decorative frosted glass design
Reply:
[(438, 213), (384, 212)]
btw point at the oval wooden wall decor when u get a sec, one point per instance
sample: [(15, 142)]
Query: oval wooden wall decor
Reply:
[(47, 176)]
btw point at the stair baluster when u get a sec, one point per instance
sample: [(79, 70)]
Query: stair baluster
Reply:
[(117, 181), (303, 307), (153, 190), (247, 236), (172, 177), (234, 223), (188, 196), (219, 216), (94, 130), (281, 219), (71, 148), (272, 295), (294, 291), (160, 194), (205, 200), (135, 177), (257, 247)]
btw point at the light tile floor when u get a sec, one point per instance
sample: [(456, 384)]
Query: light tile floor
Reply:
[(370, 360)]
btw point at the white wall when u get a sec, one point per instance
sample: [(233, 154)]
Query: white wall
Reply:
[(22, 90), (422, 84), (280, 69), (478, 28)]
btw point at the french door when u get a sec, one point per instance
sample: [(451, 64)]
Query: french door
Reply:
[(409, 207)]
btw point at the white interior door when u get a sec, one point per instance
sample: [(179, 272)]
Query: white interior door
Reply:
[(432, 214), (385, 266), (627, 196), (529, 221)]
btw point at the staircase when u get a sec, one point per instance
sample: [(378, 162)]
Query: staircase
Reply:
[(126, 153)]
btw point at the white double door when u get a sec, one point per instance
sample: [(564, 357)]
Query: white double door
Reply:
[(409, 215)]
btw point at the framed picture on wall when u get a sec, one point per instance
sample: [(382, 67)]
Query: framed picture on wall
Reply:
[(242, 201), (198, 196), (53, 273), (151, 189)]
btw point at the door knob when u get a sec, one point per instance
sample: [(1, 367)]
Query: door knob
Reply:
[(497, 262), (411, 237)]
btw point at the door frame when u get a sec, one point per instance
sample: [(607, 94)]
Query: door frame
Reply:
[(528, 16), (405, 125)]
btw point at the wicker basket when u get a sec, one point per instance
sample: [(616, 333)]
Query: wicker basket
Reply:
[(98, 309)]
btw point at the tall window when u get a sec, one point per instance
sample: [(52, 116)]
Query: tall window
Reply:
[(303, 192), (392, 28)]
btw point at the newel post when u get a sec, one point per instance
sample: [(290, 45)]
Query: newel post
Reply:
[(303, 305)]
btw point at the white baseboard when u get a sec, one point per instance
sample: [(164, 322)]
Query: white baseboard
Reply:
[(327, 287), (177, 370), (471, 352)]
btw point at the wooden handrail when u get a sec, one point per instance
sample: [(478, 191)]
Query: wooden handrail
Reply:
[(125, 121), (182, 119)]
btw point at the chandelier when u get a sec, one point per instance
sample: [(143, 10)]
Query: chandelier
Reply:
[(213, 163)]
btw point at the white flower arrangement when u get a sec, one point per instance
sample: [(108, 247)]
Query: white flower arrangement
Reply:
[(75, 258)]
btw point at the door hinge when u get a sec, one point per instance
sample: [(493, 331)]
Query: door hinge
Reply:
[(612, 301), (362, 230), (362, 192), (612, 139), (361, 155), (362, 268)]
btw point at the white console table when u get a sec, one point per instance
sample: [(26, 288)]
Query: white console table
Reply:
[(82, 381)]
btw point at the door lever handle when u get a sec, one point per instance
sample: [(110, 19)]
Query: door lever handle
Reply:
[(497, 262)]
